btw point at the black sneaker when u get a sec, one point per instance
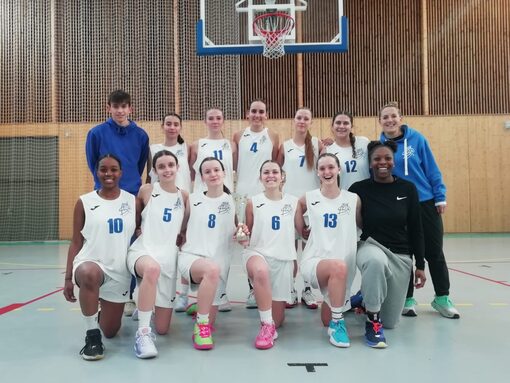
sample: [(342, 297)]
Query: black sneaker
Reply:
[(93, 349)]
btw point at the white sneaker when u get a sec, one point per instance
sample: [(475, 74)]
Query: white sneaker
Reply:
[(181, 302), (309, 299), (129, 308), (225, 305), (144, 344), (251, 303), (293, 300)]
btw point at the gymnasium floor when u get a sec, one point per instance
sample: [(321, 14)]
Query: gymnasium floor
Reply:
[(41, 333)]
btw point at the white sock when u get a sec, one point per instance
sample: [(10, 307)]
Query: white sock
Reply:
[(336, 313), (266, 316), (144, 318), (184, 289), (202, 318), (91, 322)]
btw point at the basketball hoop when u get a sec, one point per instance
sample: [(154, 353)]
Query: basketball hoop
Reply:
[(272, 28)]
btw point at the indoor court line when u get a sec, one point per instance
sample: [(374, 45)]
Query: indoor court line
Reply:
[(14, 306)]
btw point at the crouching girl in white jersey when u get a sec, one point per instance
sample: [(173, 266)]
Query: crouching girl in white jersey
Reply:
[(329, 258), (152, 258), (204, 259), (269, 258)]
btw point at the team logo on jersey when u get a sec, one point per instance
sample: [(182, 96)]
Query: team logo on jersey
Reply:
[(155, 195), (124, 208), (178, 204), (224, 208), (358, 153), (286, 209), (315, 203), (344, 209), (179, 153), (262, 140), (225, 146), (410, 152), (259, 206), (94, 208)]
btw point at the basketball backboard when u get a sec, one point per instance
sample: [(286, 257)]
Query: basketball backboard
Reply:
[(226, 26)]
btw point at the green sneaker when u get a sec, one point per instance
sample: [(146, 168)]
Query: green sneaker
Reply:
[(202, 337), (192, 309), (444, 305), (409, 309)]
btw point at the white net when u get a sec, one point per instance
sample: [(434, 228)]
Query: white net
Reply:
[(273, 28)]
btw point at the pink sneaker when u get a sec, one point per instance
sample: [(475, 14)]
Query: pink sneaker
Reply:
[(266, 337)]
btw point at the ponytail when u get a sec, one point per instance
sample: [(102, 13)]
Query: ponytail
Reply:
[(309, 152)]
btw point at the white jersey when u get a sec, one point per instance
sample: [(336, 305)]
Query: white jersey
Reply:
[(273, 231), (298, 178), (353, 169), (219, 149), (333, 230), (161, 223), (254, 149), (211, 228), (183, 176), (109, 226)]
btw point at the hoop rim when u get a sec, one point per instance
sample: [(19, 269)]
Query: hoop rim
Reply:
[(273, 14)]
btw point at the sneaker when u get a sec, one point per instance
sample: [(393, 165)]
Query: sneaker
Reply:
[(356, 301), (374, 334), (144, 344), (181, 303), (409, 309), (251, 303), (225, 305), (338, 333), (308, 299), (266, 337), (192, 309), (135, 315), (202, 336), (129, 308), (93, 349), (444, 305), (293, 300)]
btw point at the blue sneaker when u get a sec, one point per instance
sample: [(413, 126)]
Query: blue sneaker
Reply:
[(338, 334), (357, 300), (374, 334)]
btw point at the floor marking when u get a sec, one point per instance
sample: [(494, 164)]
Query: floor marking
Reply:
[(32, 265), (498, 304), (14, 306), (480, 277), (46, 309), (310, 367)]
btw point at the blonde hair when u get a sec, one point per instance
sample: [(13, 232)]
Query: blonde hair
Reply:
[(390, 104)]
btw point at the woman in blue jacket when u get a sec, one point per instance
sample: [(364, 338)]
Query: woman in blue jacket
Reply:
[(415, 162)]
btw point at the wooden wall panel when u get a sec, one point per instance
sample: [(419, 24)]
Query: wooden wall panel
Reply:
[(469, 53), (382, 64)]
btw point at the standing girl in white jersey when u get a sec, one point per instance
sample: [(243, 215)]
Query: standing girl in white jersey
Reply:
[(152, 258), (269, 258), (217, 146), (172, 125), (329, 258), (104, 221), (254, 145), (214, 145), (351, 150), (204, 259), (298, 156)]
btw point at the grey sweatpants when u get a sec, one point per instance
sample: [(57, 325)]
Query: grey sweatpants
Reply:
[(384, 280)]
